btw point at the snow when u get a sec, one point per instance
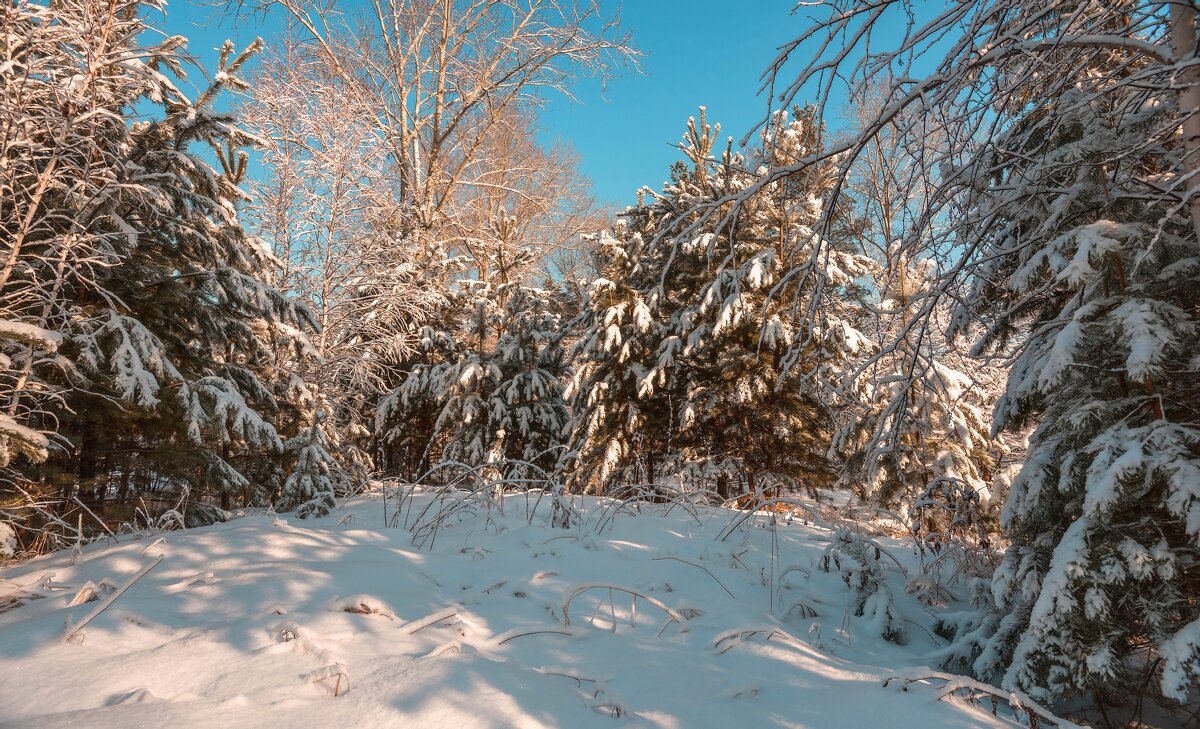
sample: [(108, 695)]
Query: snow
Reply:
[(33, 441), (1148, 336), (1179, 652), (8, 542), (497, 620), (42, 339)]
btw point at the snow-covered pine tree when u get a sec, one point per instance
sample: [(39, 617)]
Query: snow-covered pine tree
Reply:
[(131, 249), (499, 407), (1091, 276), (770, 324), (506, 408), (406, 416), (316, 477), (689, 357), (1066, 199), (919, 442), (464, 327), (622, 423), (195, 305)]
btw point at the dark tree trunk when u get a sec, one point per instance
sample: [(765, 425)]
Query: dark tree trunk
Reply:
[(723, 486), (85, 467)]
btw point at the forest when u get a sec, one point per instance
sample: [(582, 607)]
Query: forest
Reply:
[(942, 301)]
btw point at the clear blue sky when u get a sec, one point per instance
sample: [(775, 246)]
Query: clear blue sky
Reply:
[(696, 52)]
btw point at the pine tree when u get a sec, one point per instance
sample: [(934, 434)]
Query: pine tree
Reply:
[(623, 413), (195, 307), (1095, 283), (690, 360), (497, 405), (60, 150), (506, 408), (132, 251), (770, 335), (316, 476), (919, 440), (406, 416)]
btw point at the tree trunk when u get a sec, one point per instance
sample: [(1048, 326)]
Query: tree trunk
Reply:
[(1183, 46), (126, 473), (723, 486), (86, 469)]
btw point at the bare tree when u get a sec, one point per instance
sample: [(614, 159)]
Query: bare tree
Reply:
[(438, 77), (324, 207), (408, 191)]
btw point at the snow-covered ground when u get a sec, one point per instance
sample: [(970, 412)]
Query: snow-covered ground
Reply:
[(493, 620)]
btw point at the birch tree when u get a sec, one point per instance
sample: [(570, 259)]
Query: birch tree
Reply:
[(439, 79)]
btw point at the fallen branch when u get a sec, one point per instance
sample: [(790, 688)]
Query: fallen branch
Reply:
[(414, 626), (110, 600), (577, 679), (505, 637), (1017, 701)]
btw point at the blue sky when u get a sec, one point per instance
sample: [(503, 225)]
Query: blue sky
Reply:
[(696, 52)]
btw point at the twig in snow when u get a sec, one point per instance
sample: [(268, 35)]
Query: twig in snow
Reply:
[(574, 592), (541, 631), (577, 679), (733, 637), (337, 671), (693, 564), (415, 626)]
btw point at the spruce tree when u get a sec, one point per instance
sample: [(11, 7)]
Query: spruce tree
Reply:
[(774, 324), (505, 408), (493, 398), (316, 476), (622, 406)]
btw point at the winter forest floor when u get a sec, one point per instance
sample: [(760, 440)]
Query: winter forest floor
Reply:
[(472, 618)]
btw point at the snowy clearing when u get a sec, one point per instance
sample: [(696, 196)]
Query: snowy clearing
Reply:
[(637, 615)]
